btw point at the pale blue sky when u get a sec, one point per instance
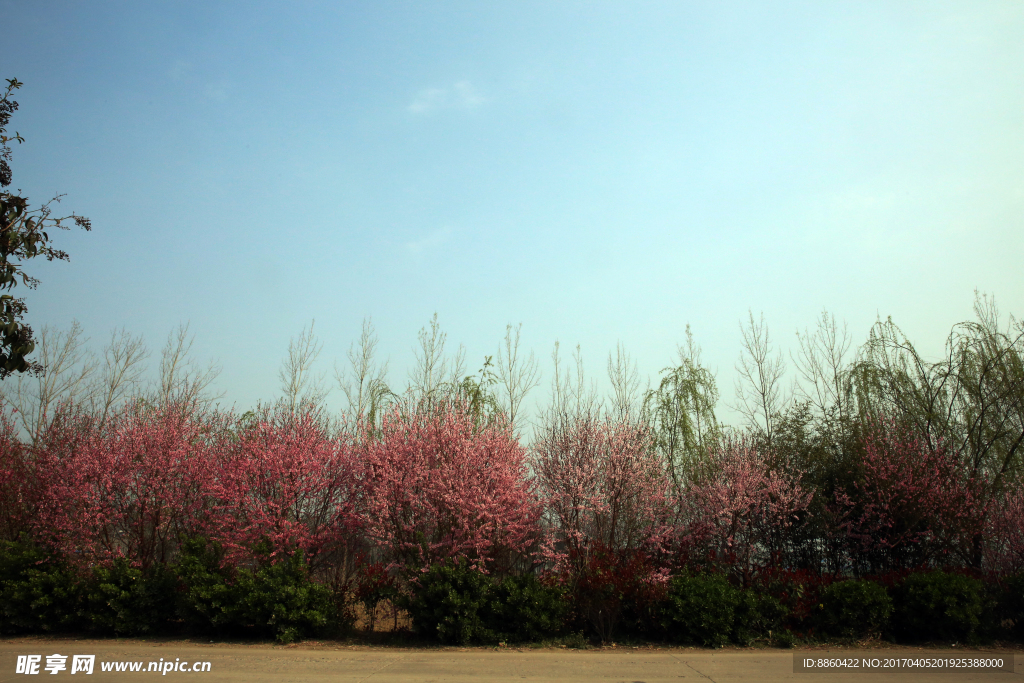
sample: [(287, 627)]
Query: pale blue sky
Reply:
[(600, 172)]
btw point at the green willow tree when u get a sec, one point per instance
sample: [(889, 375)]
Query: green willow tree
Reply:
[(970, 402), (23, 235), (681, 411)]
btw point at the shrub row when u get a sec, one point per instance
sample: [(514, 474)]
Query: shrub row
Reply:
[(42, 593), (454, 603)]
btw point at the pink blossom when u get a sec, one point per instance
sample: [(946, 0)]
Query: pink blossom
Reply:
[(604, 489), (436, 486), (909, 498), (1006, 534), (736, 512), (128, 490), (286, 482)]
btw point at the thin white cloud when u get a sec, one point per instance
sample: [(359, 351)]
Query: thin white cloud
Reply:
[(434, 239), (466, 97), (461, 95)]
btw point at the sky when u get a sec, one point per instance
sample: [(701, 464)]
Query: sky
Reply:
[(602, 173)]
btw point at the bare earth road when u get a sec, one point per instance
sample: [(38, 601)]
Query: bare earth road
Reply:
[(342, 663)]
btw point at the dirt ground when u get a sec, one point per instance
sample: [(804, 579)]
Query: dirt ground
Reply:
[(345, 663)]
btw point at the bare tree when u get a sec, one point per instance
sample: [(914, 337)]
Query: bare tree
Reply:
[(434, 374), (123, 365), (570, 399), (302, 389), (822, 365), (365, 384), (456, 366), (182, 382), (517, 376), (758, 388), (67, 370), (626, 395)]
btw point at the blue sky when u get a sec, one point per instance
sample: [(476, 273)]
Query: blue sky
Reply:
[(600, 172)]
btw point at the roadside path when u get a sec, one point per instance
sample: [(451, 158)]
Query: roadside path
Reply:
[(340, 663)]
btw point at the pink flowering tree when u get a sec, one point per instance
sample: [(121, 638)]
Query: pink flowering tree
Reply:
[(1005, 552), (738, 512), (910, 504), (439, 486), (130, 489), (604, 489), (15, 477), (609, 517), (287, 483)]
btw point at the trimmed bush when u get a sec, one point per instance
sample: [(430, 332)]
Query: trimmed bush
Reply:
[(853, 609), (126, 601), (205, 601), (757, 616), (701, 609), (277, 599), (280, 600), (453, 602), (1009, 614), (448, 601), (938, 606), (39, 593), (522, 609)]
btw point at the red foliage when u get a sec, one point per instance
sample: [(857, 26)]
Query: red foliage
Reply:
[(1006, 534), (610, 586), (15, 475), (436, 486), (910, 505)]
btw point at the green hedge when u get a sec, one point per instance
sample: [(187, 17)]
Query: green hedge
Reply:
[(938, 606), (707, 610), (853, 609), (454, 603), (40, 593), (273, 600), (758, 616), (447, 604), (122, 600), (701, 609), (1011, 607), (520, 609)]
